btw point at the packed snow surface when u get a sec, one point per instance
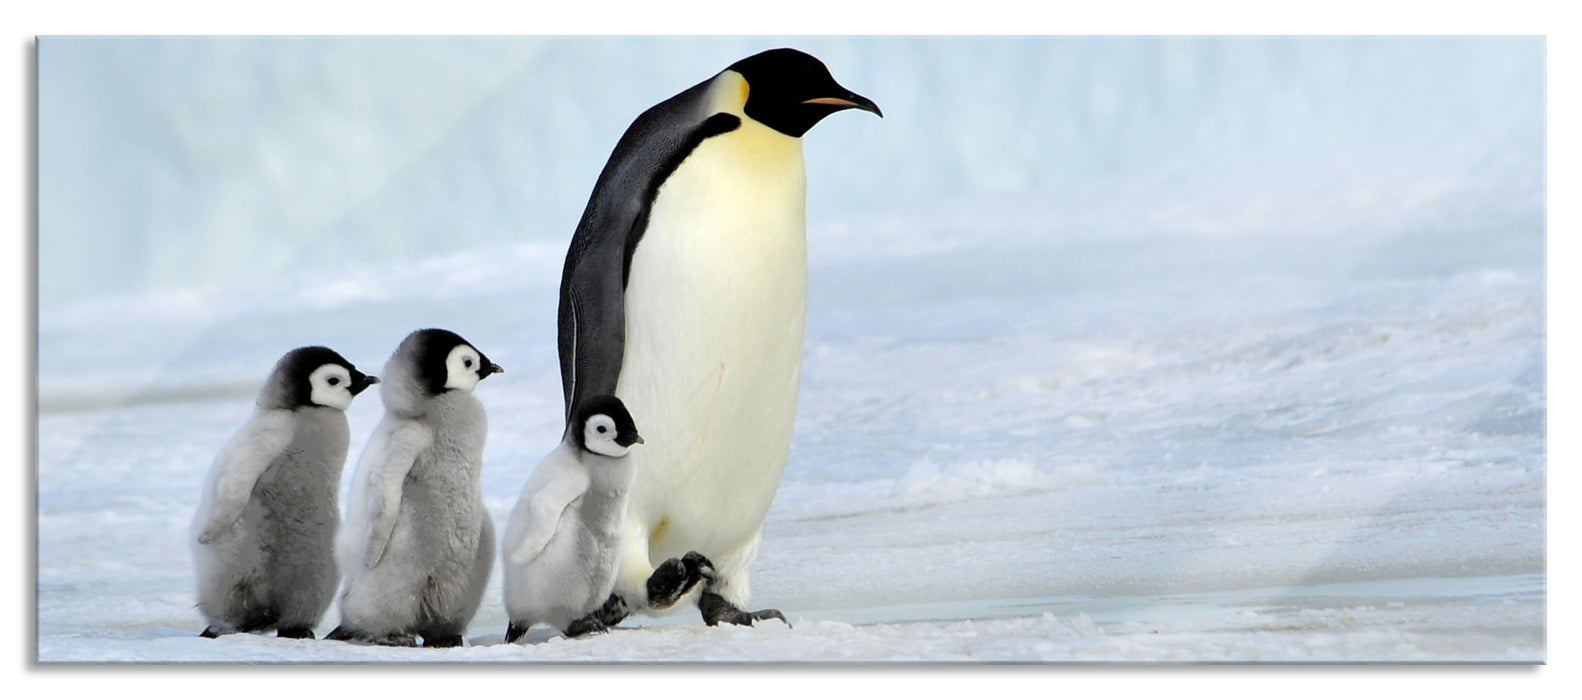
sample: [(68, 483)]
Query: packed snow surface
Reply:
[(1289, 409), (1138, 445)]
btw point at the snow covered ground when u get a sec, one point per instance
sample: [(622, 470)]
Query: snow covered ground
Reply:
[(1286, 411)]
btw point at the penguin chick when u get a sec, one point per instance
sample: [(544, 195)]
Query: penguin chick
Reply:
[(263, 535), (418, 545), (562, 543)]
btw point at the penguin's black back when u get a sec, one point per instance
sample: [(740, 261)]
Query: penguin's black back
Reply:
[(598, 261)]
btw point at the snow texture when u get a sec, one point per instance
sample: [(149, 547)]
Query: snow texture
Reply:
[(1178, 351)]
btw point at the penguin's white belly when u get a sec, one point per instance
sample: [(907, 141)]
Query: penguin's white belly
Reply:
[(715, 308)]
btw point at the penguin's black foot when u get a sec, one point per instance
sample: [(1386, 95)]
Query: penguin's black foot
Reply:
[(346, 633), (258, 620), (295, 633), (442, 642), (397, 640), (677, 577), (609, 615), (699, 567), (716, 609), (514, 631), (210, 633), (587, 625)]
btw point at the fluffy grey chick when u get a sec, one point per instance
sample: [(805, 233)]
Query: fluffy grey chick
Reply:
[(418, 545), (263, 535), (562, 543)]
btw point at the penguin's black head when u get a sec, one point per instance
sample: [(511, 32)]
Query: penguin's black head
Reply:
[(603, 426), (317, 376), (790, 91), (446, 361)]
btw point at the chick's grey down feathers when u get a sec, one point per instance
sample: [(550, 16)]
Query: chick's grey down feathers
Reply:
[(264, 531), (418, 544)]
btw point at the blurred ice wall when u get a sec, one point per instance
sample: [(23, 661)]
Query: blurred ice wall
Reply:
[(178, 161)]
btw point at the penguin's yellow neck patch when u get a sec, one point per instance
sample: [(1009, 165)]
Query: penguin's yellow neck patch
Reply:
[(730, 93), (757, 147)]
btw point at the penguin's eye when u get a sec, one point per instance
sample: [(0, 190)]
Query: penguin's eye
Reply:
[(335, 381), (467, 363), (602, 429)]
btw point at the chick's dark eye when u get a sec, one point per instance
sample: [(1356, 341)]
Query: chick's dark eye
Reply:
[(467, 363), (335, 381), (603, 429)]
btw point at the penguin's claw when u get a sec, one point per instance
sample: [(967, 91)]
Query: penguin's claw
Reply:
[(395, 640), (601, 620), (676, 578), (770, 614), (445, 642), (587, 625), (717, 609), (356, 636), (514, 631), (699, 567)]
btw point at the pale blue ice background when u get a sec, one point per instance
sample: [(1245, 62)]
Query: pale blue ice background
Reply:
[(170, 161), (1118, 348)]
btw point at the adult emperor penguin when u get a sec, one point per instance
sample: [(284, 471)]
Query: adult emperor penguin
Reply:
[(265, 527), (418, 545), (562, 543), (684, 293)]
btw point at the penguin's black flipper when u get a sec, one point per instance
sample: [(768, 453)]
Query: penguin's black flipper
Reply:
[(716, 609)]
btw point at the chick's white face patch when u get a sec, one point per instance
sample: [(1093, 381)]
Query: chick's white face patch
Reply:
[(598, 433), (331, 385), (462, 367)]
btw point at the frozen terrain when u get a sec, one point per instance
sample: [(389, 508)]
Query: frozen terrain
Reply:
[(1282, 407), (1185, 430)]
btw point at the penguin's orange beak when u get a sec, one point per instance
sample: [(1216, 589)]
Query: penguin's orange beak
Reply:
[(851, 101)]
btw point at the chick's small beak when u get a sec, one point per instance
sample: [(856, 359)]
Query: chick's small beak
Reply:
[(361, 383)]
